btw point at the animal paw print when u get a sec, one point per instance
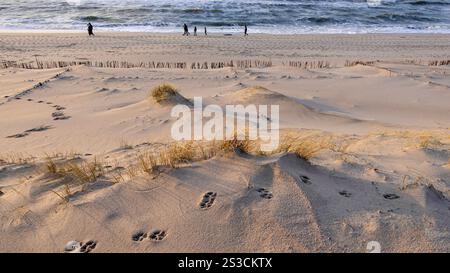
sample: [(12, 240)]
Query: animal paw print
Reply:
[(157, 235), (305, 179), (208, 200), (345, 193), (19, 135), (79, 247), (88, 247), (138, 237), (59, 108), (59, 115), (391, 196), (265, 193)]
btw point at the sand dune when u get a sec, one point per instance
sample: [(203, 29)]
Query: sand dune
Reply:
[(364, 152)]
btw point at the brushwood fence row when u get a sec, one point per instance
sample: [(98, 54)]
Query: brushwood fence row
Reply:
[(307, 64), (439, 62), (242, 64)]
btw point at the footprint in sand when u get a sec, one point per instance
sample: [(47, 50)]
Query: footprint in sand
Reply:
[(29, 99), (345, 193), (72, 247), (265, 193), (208, 200), (305, 179), (1, 193), (391, 196), (20, 135), (27, 132), (157, 235), (62, 118), (59, 115), (139, 236), (59, 108), (41, 101), (88, 247), (79, 247), (39, 129)]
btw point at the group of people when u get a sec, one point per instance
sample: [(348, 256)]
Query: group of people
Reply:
[(185, 28), (186, 31)]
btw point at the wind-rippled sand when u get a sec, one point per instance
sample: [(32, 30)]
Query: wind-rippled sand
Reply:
[(381, 171)]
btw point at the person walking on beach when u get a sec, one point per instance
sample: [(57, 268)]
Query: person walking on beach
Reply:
[(245, 30), (186, 30), (90, 29), (206, 32), (195, 31)]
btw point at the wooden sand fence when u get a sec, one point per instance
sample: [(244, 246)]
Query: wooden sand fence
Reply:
[(439, 62), (308, 64), (354, 63), (241, 64)]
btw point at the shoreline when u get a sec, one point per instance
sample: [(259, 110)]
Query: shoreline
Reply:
[(216, 33)]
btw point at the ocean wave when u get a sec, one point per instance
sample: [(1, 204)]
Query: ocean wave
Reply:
[(196, 10), (93, 18), (428, 3), (399, 18), (263, 15), (321, 20)]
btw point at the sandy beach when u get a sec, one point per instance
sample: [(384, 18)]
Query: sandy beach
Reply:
[(364, 154)]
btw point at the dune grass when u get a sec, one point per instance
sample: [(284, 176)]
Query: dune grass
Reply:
[(74, 174), (65, 196), (83, 172), (239, 144), (163, 92), (177, 154), (124, 145), (16, 158), (306, 144), (148, 162)]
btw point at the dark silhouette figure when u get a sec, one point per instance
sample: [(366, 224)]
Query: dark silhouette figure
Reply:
[(186, 30), (91, 30), (206, 32), (245, 30), (195, 31)]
